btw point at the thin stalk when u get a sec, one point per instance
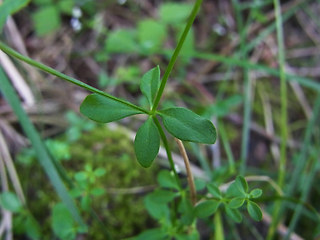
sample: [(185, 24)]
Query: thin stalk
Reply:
[(58, 74), (168, 150), (202, 159), (301, 162), (247, 90), (284, 129), (176, 53), (7, 160), (218, 233), (227, 148), (305, 193), (268, 30), (193, 192)]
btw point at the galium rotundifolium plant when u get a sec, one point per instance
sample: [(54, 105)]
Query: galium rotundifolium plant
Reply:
[(179, 122), (236, 196)]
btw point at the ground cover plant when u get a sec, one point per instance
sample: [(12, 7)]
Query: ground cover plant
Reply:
[(254, 171)]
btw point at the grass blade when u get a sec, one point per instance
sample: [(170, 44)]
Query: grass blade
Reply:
[(284, 116), (39, 147)]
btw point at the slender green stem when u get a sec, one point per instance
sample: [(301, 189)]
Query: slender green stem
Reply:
[(307, 142), (168, 150), (58, 74), (247, 89), (176, 53), (227, 148), (218, 233), (284, 129), (302, 161), (305, 192)]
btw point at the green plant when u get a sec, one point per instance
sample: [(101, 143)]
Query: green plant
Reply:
[(85, 185), (103, 107), (63, 224), (10, 7), (107, 194), (150, 35), (46, 18), (181, 123), (24, 222), (180, 224)]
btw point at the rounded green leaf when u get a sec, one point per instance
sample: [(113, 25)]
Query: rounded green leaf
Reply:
[(206, 208), (62, 222), (7, 8), (214, 190), (200, 184), (234, 214), (121, 41), (46, 20), (242, 184), (151, 35), (236, 202), (255, 193), (162, 196), (10, 202), (254, 211), (81, 176), (32, 228), (99, 172), (150, 83), (155, 234), (174, 13), (186, 209), (102, 109), (155, 209), (188, 126), (147, 143), (166, 179), (97, 191), (233, 191)]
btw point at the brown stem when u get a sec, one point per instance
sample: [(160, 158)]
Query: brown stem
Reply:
[(193, 194)]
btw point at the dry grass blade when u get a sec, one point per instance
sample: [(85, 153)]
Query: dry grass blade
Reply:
[(6, 220), (17, 80), (13, 33), (11, 169), (193, 193), (269, 124), (282, 229)]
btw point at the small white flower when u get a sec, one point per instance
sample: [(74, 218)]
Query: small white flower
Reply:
[(76, 12), (219, 29), (121, 2), (76, 24)]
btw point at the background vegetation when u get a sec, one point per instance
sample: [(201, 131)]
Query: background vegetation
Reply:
[(251, 67)]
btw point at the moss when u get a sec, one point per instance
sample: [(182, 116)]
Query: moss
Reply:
[(123, 214)]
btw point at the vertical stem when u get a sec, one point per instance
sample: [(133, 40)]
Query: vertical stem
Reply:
[(193, 193), (176, 53), (247, 90), (227, 148), (284, 129), (168, 150), (218, 234)]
